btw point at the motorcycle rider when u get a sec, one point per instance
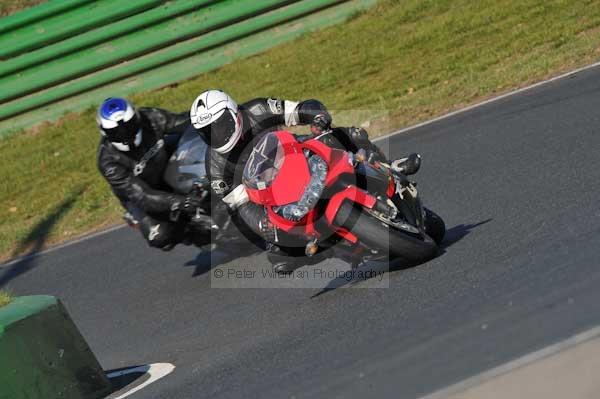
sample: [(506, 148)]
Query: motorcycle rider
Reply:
[(133, 152), (231, 129)]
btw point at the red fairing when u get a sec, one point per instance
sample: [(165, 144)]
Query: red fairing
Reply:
[(304, 227), (282, 223), (391, 188), (336, 159), (294, 169), (351, 193), (286, 181), (345, 234)]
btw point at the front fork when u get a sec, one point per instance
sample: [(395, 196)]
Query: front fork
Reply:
[(398, 202), (409, 204)]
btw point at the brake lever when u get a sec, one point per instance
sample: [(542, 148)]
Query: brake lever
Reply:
[(201, 187), (318, 136)]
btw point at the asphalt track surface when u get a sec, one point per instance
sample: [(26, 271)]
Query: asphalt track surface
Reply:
[(518, 183)]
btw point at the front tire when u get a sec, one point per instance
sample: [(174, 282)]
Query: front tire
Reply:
[(378, 235), (434, 226)]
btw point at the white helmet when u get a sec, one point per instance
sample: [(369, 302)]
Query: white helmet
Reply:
[(216, 116)]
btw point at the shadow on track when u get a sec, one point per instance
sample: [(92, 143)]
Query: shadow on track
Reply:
[(208, 259), (458, 232), (128, 380), (374, 269), (453, 235), (120, 379), (35, 240)]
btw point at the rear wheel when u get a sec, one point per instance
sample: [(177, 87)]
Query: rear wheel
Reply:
[(380, 236)]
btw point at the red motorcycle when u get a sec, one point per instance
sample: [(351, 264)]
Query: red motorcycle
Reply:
[(323, 196)]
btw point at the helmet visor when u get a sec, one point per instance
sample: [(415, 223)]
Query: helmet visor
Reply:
[(221, 131), (124, 132)]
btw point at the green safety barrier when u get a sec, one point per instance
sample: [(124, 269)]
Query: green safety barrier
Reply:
[(69, 23), (153, 16), (130, 46), (34, 14), (43, 354), (162, 57), (155, 48)]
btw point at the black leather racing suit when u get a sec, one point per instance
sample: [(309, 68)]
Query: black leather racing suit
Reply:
[(260, 116), (136, 176)]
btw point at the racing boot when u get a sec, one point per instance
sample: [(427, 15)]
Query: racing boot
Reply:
[(283, 261), (407, 166), (287, 259), (286, 266), (130, 219)]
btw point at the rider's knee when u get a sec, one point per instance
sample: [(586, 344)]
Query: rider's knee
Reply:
[(158, 234)]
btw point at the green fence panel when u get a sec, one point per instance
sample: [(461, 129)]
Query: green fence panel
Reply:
[(188, 67), (33, 14), (130, 46), (164, 56), (99, 35), (68, 24), (43, 355)]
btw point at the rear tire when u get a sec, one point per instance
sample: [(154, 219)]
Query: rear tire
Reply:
[(380, 236)]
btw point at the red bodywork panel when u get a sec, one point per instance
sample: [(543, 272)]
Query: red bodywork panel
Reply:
[(391, 188), (294, 169), (292, 179), (337, 160)]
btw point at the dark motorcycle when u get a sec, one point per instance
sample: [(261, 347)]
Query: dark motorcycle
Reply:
[(186, 174)]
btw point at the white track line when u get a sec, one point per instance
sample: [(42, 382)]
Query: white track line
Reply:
[(406, 129), (155, 370), (60, 246), (514, 364), (488, 101)]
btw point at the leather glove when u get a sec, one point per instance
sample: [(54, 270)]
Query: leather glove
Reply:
[(321, 123), (190, 204), (359, 135), (187, 205)]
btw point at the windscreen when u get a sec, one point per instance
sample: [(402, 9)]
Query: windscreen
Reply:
[(264, 162)]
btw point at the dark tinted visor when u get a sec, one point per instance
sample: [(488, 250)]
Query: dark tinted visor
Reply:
[(220, 131), (124, 132)]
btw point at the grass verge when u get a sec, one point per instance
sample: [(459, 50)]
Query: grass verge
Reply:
[(415, 59), (5, 298), (8, 7)]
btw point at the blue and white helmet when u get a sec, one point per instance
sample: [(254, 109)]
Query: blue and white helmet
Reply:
[(120, 123)]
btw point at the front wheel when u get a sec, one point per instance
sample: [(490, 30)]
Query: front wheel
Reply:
[(434, 226), (381, 236)]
